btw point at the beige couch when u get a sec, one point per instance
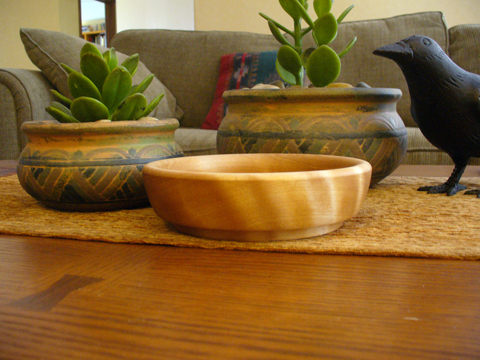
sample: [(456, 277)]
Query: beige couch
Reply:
[(186, 63)]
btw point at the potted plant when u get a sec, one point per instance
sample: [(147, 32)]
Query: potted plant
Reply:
[(315, 115), (92, 156)]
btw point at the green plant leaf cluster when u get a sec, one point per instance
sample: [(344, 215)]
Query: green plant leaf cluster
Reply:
[(321, 63), (103, 90)]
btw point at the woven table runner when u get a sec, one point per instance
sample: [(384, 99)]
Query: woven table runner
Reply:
[(395, 220)]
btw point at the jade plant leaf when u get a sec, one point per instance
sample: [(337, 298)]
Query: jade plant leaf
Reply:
[(61, 112), (132, 108), (86, 109), (286, 75), (325, 29), (277, 34), (131, 64), (61, 107), (322, 7), (345, 13), (323, 66), (60, 115), (65, 100), (79, 85), (348, 47), (111, 58), (67, 68), (89, 48), (306, 54), (150, 107), (303, 12), (116, 87), (290, 9), (95, 68), (140, 88), (289, 60)]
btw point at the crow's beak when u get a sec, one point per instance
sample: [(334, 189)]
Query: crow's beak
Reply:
[(397, 51)]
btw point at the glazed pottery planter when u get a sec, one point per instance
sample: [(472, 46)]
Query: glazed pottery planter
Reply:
[(353, 122), (93, 166)]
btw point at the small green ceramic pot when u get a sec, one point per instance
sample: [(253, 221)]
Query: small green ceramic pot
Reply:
[(93, 166)]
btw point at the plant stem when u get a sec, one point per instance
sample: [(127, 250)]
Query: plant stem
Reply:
[(298, 35)]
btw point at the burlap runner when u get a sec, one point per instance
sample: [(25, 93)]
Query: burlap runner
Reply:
[(395, 220)]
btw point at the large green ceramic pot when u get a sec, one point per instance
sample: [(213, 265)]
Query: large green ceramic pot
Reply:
[(354, 122), (93, 166)]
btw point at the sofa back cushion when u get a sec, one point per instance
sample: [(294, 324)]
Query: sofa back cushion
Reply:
[(360, 65), (188, 62), (464, 47)]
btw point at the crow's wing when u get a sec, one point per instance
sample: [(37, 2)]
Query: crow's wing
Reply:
[(472, 94)]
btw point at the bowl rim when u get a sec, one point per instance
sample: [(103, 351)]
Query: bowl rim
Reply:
[(353, 166)]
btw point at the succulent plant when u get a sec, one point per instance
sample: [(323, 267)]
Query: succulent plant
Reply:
[(103, 90), (321, 64)]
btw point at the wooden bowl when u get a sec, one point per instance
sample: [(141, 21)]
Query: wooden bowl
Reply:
[(257, 197)]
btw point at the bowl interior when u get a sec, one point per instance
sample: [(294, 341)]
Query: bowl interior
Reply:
[(255, 163)]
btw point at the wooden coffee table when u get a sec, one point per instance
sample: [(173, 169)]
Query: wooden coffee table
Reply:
[(66, 299)]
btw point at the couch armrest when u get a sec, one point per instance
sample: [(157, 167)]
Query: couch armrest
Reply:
[(24, 94)]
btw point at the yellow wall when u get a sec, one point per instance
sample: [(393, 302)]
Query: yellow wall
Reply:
[(242, 15), (56, 15), (237, 15)]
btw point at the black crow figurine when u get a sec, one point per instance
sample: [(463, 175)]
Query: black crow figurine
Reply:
[(445, 103)]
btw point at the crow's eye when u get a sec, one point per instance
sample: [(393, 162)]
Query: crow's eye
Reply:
[(426, 42)]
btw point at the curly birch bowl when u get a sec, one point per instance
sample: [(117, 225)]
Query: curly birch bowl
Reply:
[(257, 197)]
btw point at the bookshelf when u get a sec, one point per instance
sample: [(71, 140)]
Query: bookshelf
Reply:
[(97, 37)]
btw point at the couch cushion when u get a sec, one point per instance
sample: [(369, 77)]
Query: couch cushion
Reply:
[(421, 152), (464, 47), (238, 71), (191, 68), (47, 49), (361, 65), (196, 141)]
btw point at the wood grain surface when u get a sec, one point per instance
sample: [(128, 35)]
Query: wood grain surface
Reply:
[(67, 299), (115, 301)]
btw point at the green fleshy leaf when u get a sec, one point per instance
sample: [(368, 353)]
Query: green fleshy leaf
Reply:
[(95, 68), (322, 7), (67, 68), (277, 34), (65, 100), (150, 107), (325, 29), (280, 26), (290, 9), (89, 48), (348, 47), (86, 109), (288, 77), (79, 85), (306, 54), (111, 59), (303, 12), (116, 88), (131, 64), (323, 66), (344, 14), (61, 107), (131, 109), (60, 116), (140, 88), (289, 59)]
